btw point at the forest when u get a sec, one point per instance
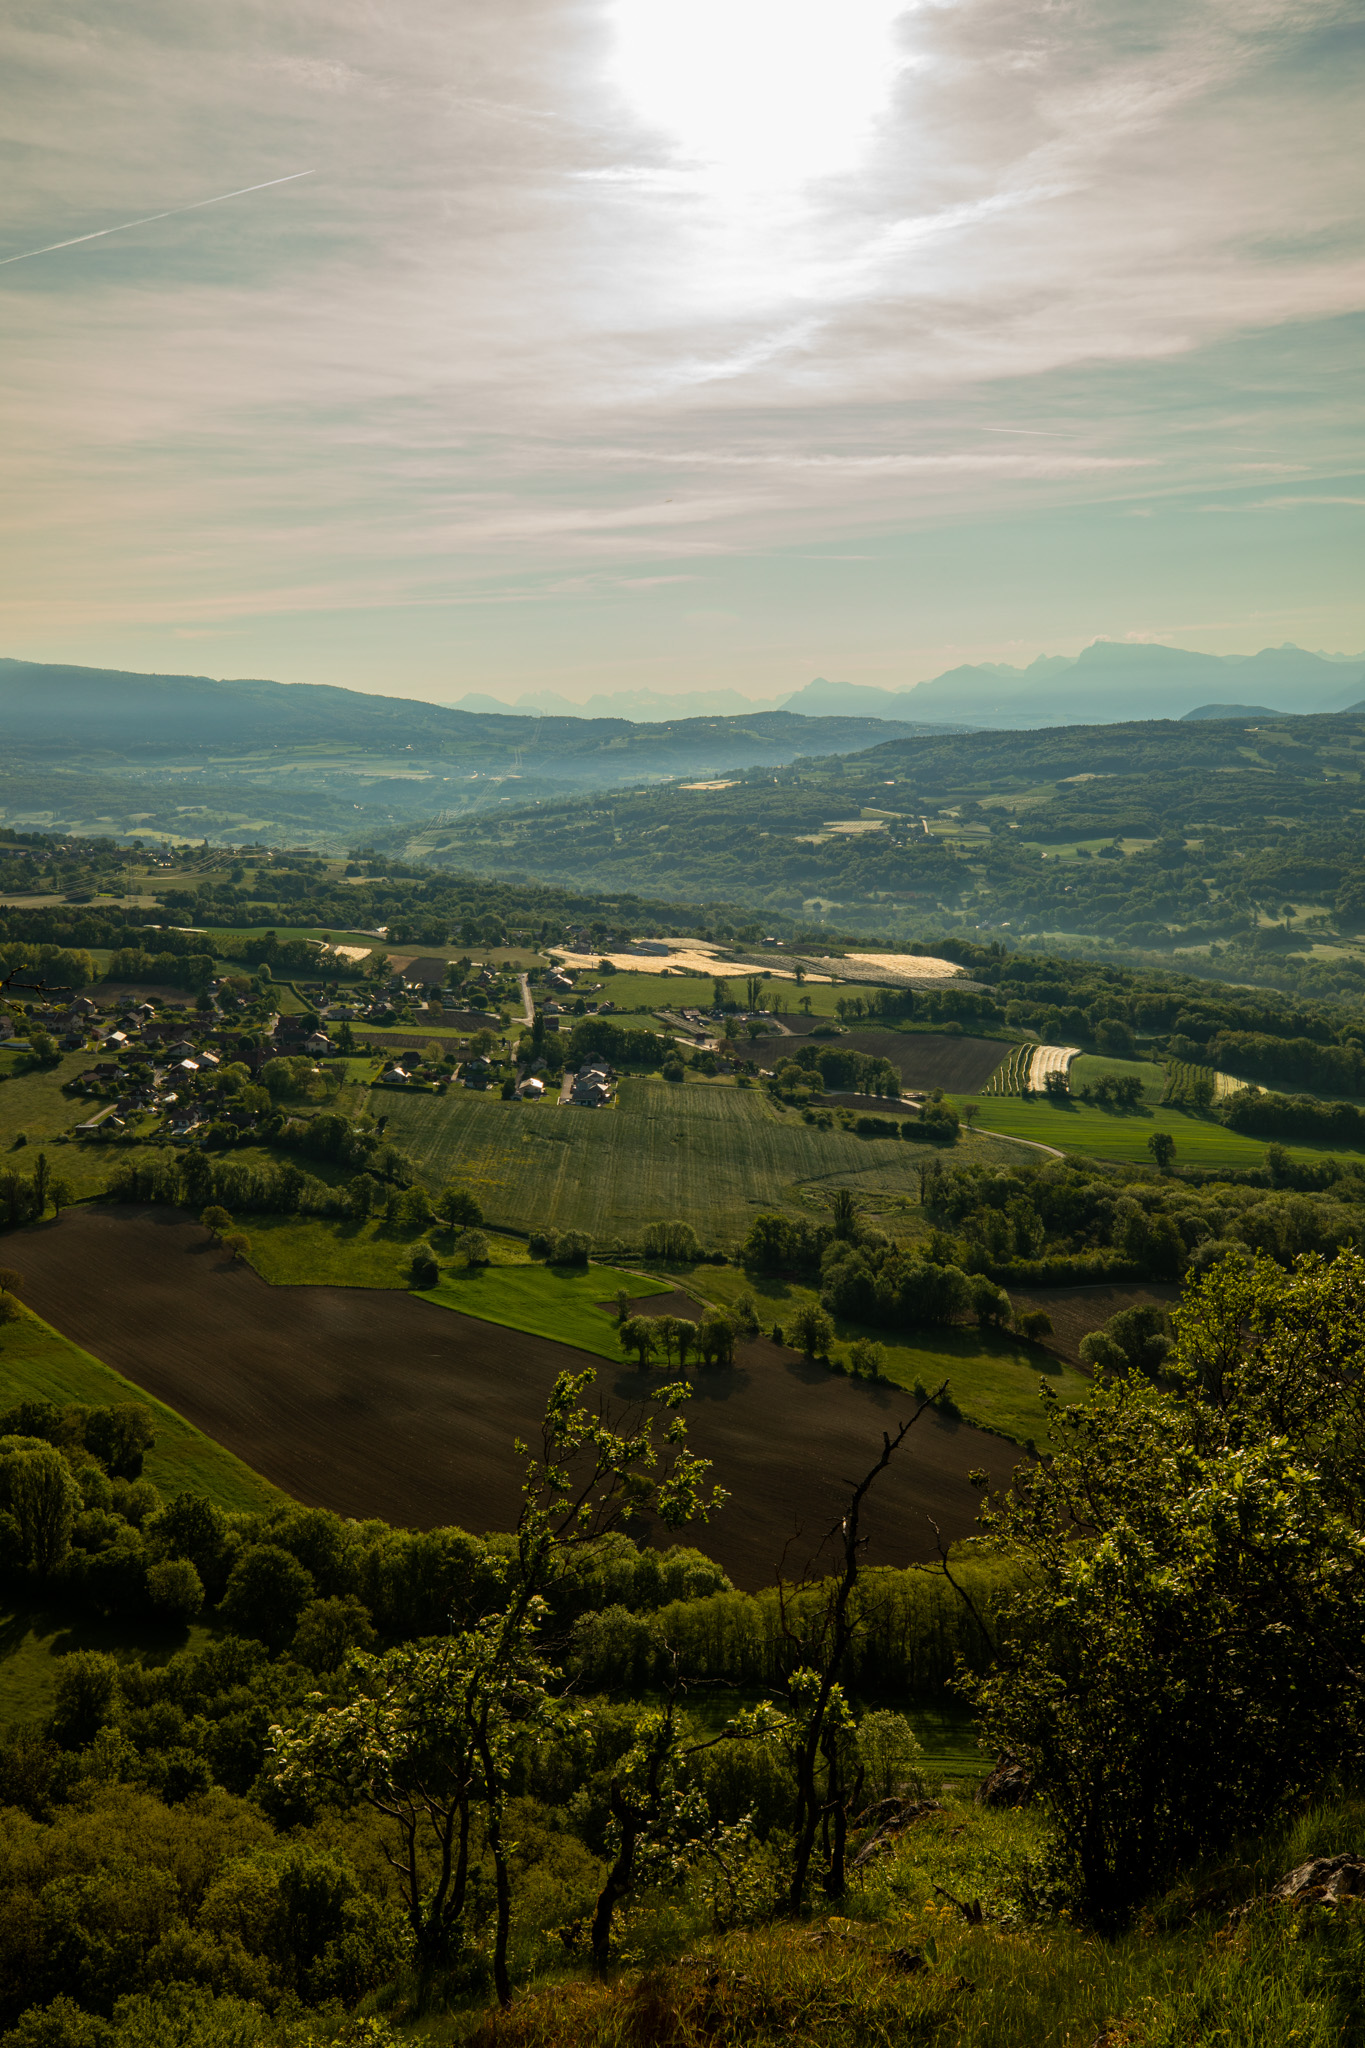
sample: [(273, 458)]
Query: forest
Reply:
[(1241, 847)]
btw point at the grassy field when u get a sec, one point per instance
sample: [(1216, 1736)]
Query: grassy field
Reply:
[(34, 1103), (644, 991), (1090, 1067), (992, 1376), (37, 1363), (1097, 1134), (547, 1301), (710, 1155), (518, 1293)]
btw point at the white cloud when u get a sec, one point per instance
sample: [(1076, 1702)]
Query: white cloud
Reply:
[(546, 300)]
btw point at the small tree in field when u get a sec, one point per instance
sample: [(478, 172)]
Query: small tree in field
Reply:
[(637, 1335), (237, 1242), (215, 1220), (1161, 1145), (812, 1329)]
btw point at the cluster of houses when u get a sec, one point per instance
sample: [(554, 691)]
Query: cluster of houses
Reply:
[(167, 1087)]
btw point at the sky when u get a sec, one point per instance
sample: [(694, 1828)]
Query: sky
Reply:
[(677, 344)]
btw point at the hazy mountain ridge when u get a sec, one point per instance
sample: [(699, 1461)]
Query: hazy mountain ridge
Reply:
[(1108, 682)]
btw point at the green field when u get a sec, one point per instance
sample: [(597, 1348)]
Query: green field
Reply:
[(34, 1103), (630, 990), (710, 1155), (1097, 1134), (1090, 1067), (993, 1377), (37, 1363), (547, 1301)]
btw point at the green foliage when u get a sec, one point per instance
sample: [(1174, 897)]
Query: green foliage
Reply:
[(1180, 1673)]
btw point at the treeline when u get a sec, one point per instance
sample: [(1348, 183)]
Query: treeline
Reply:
[(911, 1632), (1293, 1116), (195, 1180), (174, 970)]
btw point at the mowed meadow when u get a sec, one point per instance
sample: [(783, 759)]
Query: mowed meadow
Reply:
[(705, 1153)]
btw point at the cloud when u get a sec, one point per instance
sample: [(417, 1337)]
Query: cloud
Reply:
[(516, 324)]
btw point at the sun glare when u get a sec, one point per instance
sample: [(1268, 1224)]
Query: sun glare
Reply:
[(758, 96)]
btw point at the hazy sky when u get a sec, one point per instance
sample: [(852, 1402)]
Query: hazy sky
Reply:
[(679, 343)]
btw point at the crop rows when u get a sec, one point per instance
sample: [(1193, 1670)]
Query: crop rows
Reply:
[(712, 1156), (1011, 1076)]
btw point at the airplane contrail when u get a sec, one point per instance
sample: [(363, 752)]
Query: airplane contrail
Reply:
[(123, 226)]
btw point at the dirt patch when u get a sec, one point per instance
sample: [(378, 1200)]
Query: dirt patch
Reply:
[(1076, 1311), (376, 1403)]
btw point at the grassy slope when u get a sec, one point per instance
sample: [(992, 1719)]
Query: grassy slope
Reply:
[(293, 1251), (901, 1966), (712, 1155), (37, 1363), (547, 1301), (33, 1639), (994, 1378), (1097, 1134)]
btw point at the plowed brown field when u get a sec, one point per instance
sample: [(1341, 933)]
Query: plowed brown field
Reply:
[(923, 1059), (377, 1403)]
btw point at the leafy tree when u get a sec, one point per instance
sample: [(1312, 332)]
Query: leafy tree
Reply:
[(990, 1304), (329, 1630), (267, 1591), (812, 1330), (430, 1730), (38, 1491), (865, 1358), (423, 1270), (675, 1243), (1188, 1669), (716, 1338), (638, 1335), (413, 1212), (237, 1242), (119, 1435), (1161, 1145), (175, 1589), (84, 1696)]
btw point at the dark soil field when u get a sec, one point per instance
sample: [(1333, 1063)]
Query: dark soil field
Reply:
[(923, 1059), (1076, 1311), (376, 1403)]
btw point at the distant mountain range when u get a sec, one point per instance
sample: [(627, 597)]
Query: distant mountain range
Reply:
[(1110, 682), (309, 764)]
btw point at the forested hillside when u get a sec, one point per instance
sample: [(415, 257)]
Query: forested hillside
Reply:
[(1241, 845)]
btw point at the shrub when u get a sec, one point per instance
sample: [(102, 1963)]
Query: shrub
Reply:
[(570, 1248), (423, 1269)]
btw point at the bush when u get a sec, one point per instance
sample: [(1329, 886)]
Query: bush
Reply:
[(423, 1269), (569, 1248), (472, 1247)]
